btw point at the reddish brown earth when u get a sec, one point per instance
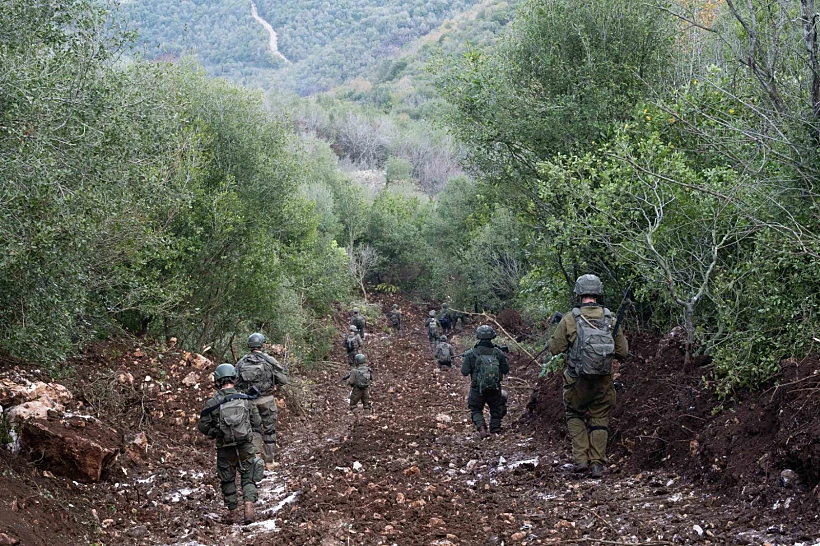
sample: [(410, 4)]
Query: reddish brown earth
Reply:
[(682, 472)]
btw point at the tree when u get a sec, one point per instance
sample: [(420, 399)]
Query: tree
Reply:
[(363, 260)]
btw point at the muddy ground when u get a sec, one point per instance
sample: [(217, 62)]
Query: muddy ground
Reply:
[(685, 468)]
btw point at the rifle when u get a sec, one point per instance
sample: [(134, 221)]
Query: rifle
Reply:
[(504, 348), (622, 310), (345, 378)]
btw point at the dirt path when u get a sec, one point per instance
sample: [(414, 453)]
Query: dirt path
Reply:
[(426, 479), (274, 48)]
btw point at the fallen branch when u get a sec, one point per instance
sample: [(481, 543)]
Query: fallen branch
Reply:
[(505, 332)]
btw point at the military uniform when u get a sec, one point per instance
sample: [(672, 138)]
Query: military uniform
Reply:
[(233, 457), (352, 348), (444, 354), (588, 399), (395, 317), (358, 321), (358, 394), (261, 371), (432, 329), (478, 398)]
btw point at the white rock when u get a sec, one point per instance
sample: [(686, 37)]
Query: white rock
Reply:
[(191, 379), (443, 418), (357, 466), (698, 529), (471, 465)]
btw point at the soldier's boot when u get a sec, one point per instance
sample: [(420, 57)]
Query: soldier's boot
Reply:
[(269, 451), (250, 516), (597, 471), (483, 432), (232, 516)]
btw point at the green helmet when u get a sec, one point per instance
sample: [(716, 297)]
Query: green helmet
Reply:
[(442, 338), (485, 331), (353, 328), (256, 341), (588, 285), (444, 306), (395, 306), (355, 309), (224, 372), (432, 313), (360, 358)]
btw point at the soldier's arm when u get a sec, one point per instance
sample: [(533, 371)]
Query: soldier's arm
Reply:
[(559, 342), (206, 423), (256, 419), (352, 379), (503, 365), (467, 364), (452, 352), (621, 346)]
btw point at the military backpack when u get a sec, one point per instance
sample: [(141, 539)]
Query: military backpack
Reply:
[(253, 373), (443, 352), (350, 342), (359, 322), (395, 318), (432, 327), (235, 420), (488, 377), (593, 350), (363, 377)]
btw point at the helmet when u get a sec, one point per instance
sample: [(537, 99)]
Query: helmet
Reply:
[(432, 313), (444, 306), (395, 306), (442, 338), (485, 331), (588, 285), (355, 309), (223, 372), (360, 358), (256, 341), (353, 328)]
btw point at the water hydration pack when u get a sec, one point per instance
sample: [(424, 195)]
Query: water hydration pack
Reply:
[(363, 377), (489, 372), (593, 350)]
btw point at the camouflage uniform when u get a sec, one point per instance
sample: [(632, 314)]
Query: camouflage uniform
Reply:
[(493, 398), (358, 394), (352, 351), (358, 321), (588, 399), (432, 329), (444, 355), (231, 458), (263, 372), (395, 317)]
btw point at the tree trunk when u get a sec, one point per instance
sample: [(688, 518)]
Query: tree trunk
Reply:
[(689, 325)]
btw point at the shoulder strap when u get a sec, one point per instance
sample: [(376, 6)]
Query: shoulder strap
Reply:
[(235, 396), (576, 312)]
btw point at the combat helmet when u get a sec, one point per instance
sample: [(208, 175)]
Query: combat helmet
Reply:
[(256, 341), (224, 372), (353, 328), (360, 358), (432, 313), (485, 331), (442, 338), (589, 285), (444, 305), (395, 306), (355, 309)]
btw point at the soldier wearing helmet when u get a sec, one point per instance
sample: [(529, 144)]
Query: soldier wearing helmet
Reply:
[(486, 364), (352, 343), (432, 326), (358, 320), (395, 317), (444, 354), (259, 374), (230, 418), (585, 335), (359, 380)]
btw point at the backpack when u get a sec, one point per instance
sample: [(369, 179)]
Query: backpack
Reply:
[(443, 352), (235, 420), (350, 342), (363, 377), (444, 320), (394, 318), (592, 352), (359, 322), (432, 327), (252, 373), (488, 377)]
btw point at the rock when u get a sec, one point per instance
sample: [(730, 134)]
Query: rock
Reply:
[(138, 353), (357, 466), (200, 362), (698, 529), (12, 393), (443, 418), (81, 456), (400, 498), (789, 478), (8, 540), (138, 446), (673, 340), (191, 379), (125, 378), (138, 532), (410, 471), (37, 409), (471, 465), (518, 536)]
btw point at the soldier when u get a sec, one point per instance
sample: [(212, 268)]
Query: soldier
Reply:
[(395, 317), (231, 419), (444, 319), (444, 353), (359, 380), (358, 321), (585, 335), (486, 364), (432, 328), (262, 373), (352, 343)]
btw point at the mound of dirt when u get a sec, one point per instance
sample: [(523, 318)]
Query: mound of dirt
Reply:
[(670, 418)]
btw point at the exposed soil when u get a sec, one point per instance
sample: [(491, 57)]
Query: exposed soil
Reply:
[(415, 473)]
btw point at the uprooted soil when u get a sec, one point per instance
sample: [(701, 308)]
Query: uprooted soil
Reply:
[(686, 467)]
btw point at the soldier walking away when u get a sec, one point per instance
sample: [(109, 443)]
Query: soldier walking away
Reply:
[(359, 379), (259, 374), (395, 317), (486, 364), (358, 321), (585, 334), (231, 418), (444, 353), (445, 319), (432, 328), (352, 343)]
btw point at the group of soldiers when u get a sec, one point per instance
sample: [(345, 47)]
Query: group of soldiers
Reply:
[(242, 415)]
